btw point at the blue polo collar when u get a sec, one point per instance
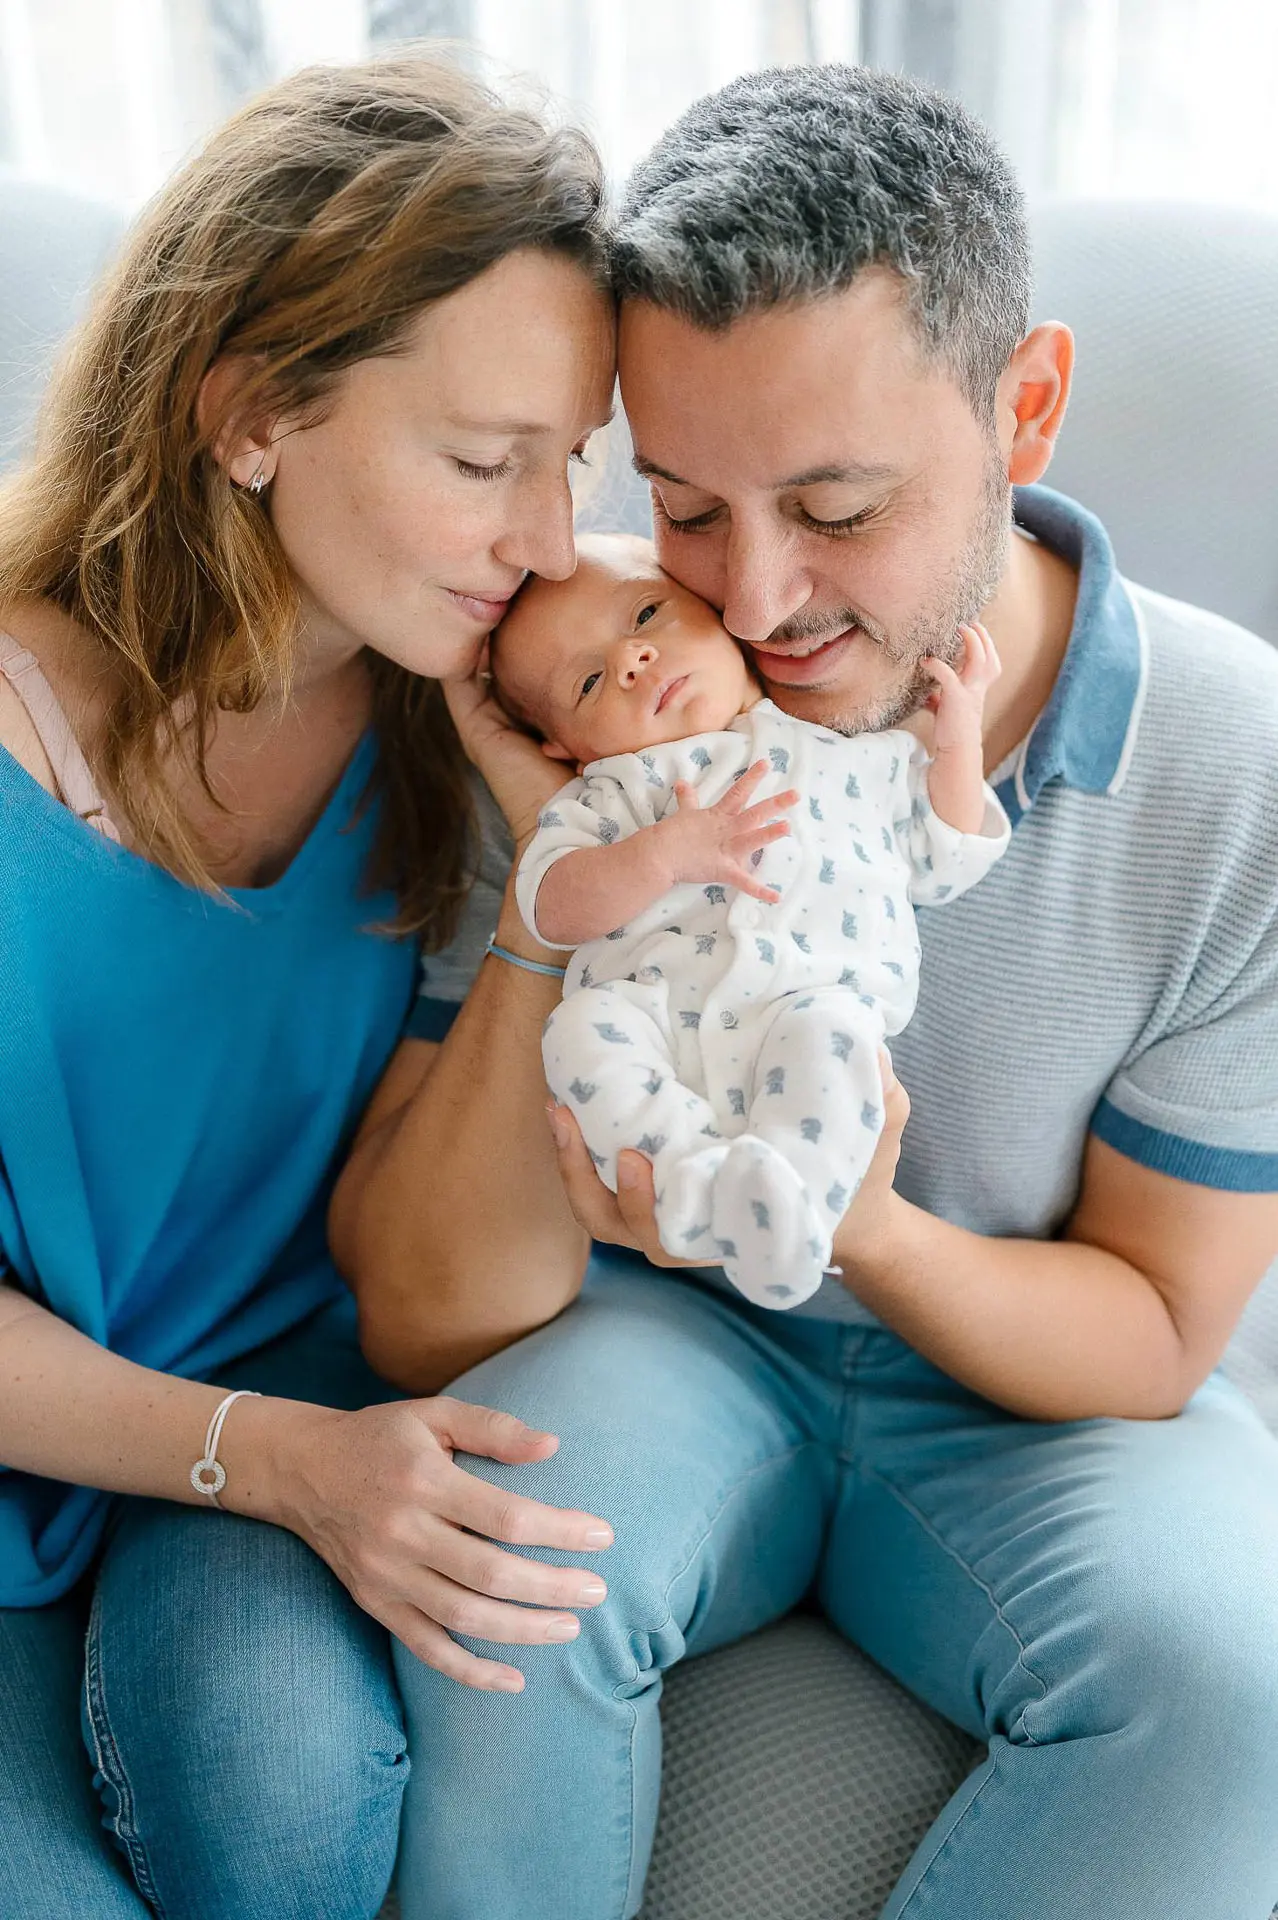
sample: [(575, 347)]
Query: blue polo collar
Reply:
[(1085, 734)]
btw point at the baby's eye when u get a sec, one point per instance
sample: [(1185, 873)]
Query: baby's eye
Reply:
[(589, 682), (645, 614)]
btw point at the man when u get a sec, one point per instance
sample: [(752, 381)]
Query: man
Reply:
[(992, 1448)]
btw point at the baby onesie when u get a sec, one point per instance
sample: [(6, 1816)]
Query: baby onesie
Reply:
[(736, 1042)]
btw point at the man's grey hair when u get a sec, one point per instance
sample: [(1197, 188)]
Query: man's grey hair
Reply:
[(785, 185)]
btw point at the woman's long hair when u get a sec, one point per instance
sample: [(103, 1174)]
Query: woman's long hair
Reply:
[(309, 234)]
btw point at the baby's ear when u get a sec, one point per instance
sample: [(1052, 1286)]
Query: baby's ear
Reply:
[(553, 751)]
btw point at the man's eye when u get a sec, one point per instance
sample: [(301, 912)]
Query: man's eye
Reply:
[(847, 525), (693, 524), (588, 683), (645, 614)]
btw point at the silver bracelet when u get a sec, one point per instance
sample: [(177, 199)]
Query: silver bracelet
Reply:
[(208, 1476)]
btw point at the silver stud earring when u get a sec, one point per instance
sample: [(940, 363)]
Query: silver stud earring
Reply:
[(258, 482)]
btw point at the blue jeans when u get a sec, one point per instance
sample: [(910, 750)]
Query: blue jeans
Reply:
[(1098, 1601), (238, 1709)]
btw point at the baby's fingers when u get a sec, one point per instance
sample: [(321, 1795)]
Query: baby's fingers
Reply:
[(747, 882), (764, 811), (740, 844), (743, 786)]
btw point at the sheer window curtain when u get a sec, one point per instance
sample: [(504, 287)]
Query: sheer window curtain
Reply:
[(1158, 98)]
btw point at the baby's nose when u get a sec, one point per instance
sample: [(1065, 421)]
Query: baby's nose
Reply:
[(634, 660)]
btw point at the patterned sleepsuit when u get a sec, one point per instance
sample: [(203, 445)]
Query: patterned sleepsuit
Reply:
[(736, 1042)]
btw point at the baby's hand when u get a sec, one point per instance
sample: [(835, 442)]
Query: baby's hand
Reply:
[(706, 844), (959, 701)]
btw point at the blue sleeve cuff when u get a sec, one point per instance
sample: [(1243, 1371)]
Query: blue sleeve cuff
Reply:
[(1230, 1169), (430, 1019)]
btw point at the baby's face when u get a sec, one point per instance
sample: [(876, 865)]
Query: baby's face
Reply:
[(619, 656)]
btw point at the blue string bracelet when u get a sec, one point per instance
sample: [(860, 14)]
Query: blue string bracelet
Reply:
[(529, 966)]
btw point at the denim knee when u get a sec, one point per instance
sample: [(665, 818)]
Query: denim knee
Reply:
[(249, 1741), (1178, 1661)]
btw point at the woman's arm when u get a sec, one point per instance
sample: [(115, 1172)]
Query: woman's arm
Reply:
[(374, 1493)]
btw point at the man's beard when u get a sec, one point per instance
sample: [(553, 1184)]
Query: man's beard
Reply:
[(933, 632)]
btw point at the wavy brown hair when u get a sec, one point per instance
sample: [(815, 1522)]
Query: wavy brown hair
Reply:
[(309, 234)]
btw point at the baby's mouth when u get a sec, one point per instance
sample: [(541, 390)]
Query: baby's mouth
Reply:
[(667, 688)]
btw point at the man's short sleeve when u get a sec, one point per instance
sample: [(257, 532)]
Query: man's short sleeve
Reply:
[(1201, 1101), (446, 977)]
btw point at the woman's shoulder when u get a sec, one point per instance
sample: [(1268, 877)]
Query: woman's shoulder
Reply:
[(19, 737)]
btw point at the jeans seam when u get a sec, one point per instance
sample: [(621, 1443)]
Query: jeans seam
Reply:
[(110, 1765), (920, 1885), (726, 1494), (934, 1534)]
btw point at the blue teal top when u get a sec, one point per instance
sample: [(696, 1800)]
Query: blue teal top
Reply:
[(179, 1077)]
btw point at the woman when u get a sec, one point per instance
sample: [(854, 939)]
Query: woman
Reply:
[(313, 435)]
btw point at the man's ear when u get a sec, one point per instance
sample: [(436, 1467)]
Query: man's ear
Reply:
[(1032, 396), (243, 452)]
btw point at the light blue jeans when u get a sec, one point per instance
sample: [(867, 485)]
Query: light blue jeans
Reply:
[(239, 1711), (1098, 1601)]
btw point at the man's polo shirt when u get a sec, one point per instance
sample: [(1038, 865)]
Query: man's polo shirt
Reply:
[(1117, 972)]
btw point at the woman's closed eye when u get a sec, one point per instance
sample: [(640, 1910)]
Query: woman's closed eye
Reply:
[(470, 470)]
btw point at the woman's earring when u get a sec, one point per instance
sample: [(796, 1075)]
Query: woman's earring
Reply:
[(258, 483)]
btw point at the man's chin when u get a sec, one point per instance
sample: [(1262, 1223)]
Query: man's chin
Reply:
[(845, 707)]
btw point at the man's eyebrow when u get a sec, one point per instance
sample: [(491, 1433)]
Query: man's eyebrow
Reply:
[(865, 473)]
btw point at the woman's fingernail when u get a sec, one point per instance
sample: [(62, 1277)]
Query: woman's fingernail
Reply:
[(557, 1126), (508, 1683), (599, 1537), (563, 1628), (593, 1591), (627, 1172)]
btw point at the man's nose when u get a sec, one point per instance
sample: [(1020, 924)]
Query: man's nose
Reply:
[(763, 587), (633, 660)]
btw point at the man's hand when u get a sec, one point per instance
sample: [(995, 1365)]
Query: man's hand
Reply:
[(627, 1218), (704, 844), (868, 1224), (959, 700)]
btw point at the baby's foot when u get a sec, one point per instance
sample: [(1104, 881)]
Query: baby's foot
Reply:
[(770, 1237)]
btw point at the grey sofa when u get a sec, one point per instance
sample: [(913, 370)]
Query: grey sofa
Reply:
[(798, 1776)]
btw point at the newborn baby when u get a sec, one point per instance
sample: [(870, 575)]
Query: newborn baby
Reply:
[(738, 888)]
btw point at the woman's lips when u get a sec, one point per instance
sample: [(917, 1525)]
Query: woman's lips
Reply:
[(481, 606), (801, 670), (671, 686)]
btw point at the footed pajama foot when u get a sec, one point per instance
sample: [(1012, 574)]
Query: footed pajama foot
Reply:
[(772, 1240)]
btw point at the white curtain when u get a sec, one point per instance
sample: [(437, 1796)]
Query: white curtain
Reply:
[(1166, 98)]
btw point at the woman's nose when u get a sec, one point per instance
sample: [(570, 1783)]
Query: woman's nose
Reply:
[(632, 660)]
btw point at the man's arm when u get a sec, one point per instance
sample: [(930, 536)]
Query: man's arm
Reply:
[(449, 1220), (1126, 1315)]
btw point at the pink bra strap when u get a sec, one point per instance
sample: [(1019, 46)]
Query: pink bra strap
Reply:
[(70, 768)]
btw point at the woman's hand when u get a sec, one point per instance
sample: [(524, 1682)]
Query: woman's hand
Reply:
[(409, 1533), (519, 776), (627, 1218)]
